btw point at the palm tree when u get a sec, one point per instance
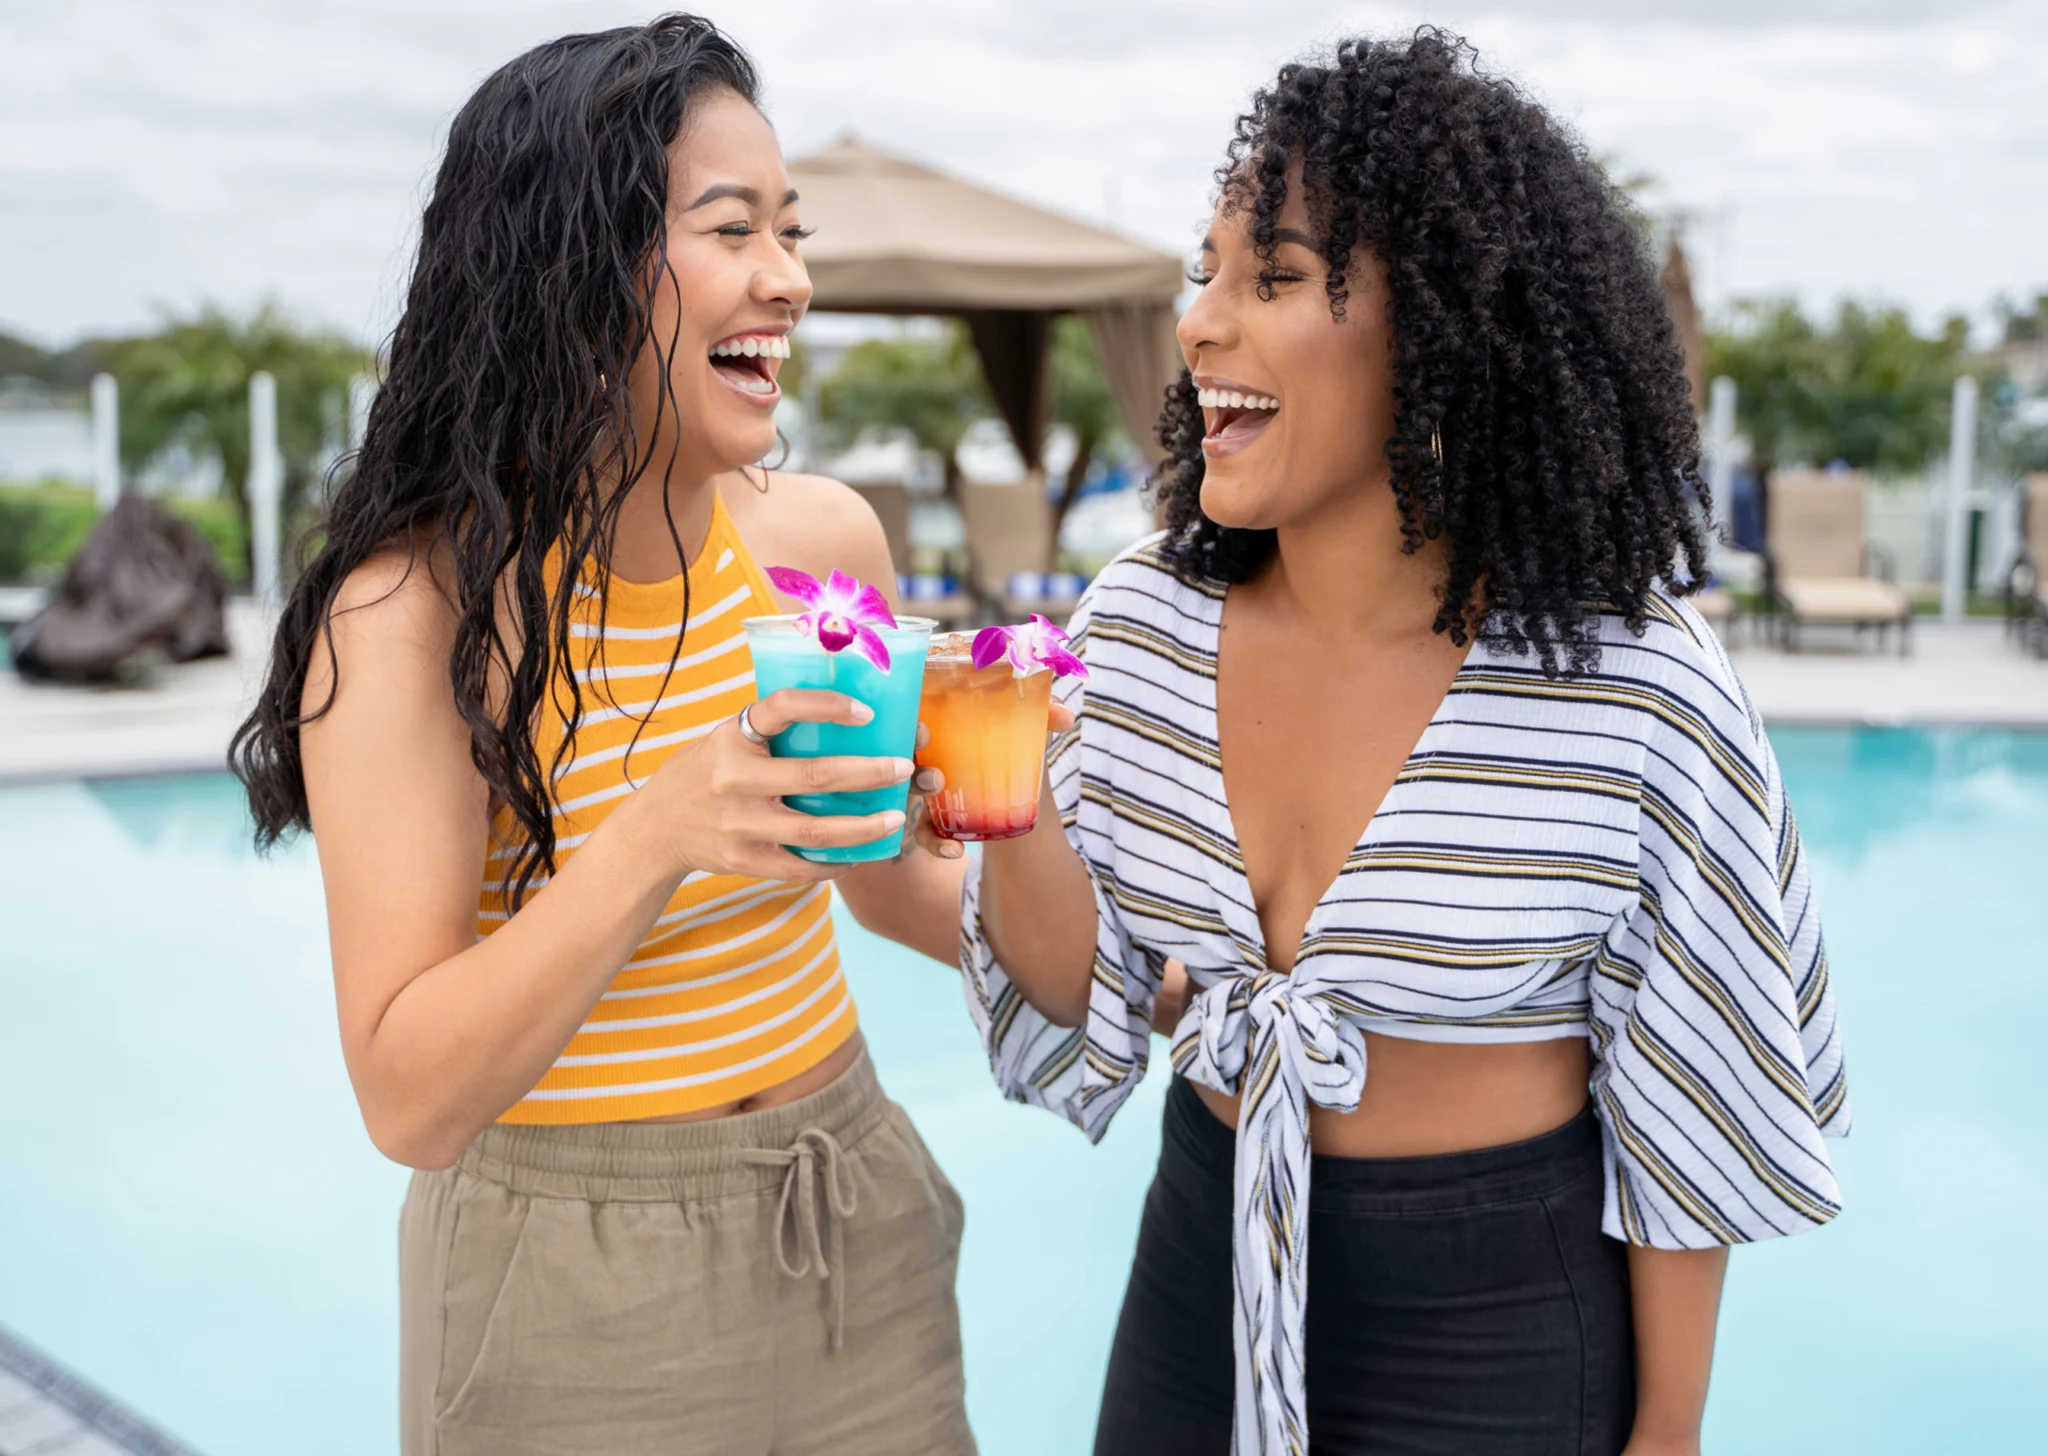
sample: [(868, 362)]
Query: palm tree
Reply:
[(188, 384)]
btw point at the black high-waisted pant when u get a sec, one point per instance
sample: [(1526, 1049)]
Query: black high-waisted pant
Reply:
[(1465, 1304)]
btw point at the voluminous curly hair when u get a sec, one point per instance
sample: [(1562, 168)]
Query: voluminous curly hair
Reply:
[(1529, 338)]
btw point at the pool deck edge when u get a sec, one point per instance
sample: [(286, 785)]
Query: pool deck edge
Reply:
[(1958, 676), (59, 1407)]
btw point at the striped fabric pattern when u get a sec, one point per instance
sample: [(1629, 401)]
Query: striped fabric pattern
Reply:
[(737, 986), (1609, 856)]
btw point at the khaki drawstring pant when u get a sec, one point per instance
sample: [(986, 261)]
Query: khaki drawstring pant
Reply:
[(778, 1283)]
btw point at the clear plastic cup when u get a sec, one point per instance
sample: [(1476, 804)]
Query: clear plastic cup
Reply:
[(786, 657), (987, 738)]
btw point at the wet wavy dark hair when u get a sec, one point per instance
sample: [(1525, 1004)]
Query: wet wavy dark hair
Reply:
[(502, 432), (1529, 336)]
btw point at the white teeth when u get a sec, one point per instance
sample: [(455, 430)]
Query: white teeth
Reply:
[(1231, 399), (771, 347)]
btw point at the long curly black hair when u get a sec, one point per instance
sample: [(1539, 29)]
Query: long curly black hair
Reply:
[(502, 431), (1530, 340)]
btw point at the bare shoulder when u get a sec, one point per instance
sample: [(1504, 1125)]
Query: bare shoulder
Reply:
[(815, 507), (403, 589), (811, 522), (392, 620)]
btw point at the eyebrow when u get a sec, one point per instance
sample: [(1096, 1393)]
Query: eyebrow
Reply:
[(723, 190), (1280, 235)]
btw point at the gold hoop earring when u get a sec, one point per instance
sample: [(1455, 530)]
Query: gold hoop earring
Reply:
[(1436, 444)]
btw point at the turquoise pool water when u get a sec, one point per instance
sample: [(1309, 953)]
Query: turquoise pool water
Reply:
[(191, 1215)]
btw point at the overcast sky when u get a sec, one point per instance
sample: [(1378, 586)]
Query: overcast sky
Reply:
[(154, 155)]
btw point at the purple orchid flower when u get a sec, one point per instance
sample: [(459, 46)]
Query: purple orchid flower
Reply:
[(1029, 646), (844, 611)]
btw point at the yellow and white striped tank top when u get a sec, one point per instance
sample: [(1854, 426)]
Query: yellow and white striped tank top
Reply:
[(737, 986)]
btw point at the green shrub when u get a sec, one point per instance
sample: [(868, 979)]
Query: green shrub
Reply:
[(42, 527), (216, 518)]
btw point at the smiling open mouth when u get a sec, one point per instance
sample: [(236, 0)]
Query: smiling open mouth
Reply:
[(745, 364), (1235, 418)]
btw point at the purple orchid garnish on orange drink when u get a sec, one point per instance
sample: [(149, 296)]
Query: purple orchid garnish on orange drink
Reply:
[(1029, 646), (843, 611)]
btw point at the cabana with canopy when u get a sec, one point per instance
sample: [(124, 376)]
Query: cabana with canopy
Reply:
[(895, 237)]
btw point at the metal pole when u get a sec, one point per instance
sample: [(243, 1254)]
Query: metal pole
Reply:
[(1955, 545), (361, 391), (106, 442), (266, 484), (1721, 440)]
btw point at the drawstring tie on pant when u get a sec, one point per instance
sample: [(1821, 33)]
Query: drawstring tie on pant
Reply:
[(801, 1160)]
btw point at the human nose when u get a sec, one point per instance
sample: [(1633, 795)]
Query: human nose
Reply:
[(784, 280), (1206, 325)]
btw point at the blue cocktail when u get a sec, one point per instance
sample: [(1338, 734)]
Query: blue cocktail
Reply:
[(786, 657)]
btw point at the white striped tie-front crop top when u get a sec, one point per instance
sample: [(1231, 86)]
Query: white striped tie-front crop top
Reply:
[(1609, 854)]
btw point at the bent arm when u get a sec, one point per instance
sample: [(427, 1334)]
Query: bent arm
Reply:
[(1038, 913), (442, 1031), (1675, 1295)]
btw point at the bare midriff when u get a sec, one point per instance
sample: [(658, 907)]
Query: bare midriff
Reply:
[(1425, 1097), (803, 1084)]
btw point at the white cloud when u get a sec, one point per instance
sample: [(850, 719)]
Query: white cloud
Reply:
[(233, 149)]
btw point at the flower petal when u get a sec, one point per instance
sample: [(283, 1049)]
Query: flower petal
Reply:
[(834, 631), (870, 606), (989, 644), (870, 645), (799, 585), (841, 589), (1048, 627), (1062, 662)]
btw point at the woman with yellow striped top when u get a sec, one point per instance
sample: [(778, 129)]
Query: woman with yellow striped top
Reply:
[(662, 1204)]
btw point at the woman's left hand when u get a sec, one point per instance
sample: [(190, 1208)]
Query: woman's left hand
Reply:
[(920, 834)]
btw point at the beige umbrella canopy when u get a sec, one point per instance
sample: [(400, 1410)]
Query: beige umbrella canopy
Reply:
[(897, 237)]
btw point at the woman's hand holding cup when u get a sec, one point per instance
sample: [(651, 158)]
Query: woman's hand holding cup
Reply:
[(716, 805)]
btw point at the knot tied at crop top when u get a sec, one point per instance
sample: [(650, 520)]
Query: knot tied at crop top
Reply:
[(1608, 854)]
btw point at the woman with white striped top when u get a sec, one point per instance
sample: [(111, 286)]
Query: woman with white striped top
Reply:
[(1469, 1103)]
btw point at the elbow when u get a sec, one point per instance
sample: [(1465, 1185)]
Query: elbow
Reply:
[(873, 914), (1065, 1009), (413, 1142)]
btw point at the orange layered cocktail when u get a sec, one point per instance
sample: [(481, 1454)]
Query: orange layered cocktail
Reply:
[(988, 725)]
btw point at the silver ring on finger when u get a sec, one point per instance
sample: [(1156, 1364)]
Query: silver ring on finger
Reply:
[(748, 731)]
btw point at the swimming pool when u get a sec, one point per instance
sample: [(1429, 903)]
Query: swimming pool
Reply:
[(191, 1216)]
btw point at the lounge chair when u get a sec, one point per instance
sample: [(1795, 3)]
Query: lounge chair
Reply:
[(2026, 585), (1717, 605), (891, 502), (1817, 564), (1009, 537)]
